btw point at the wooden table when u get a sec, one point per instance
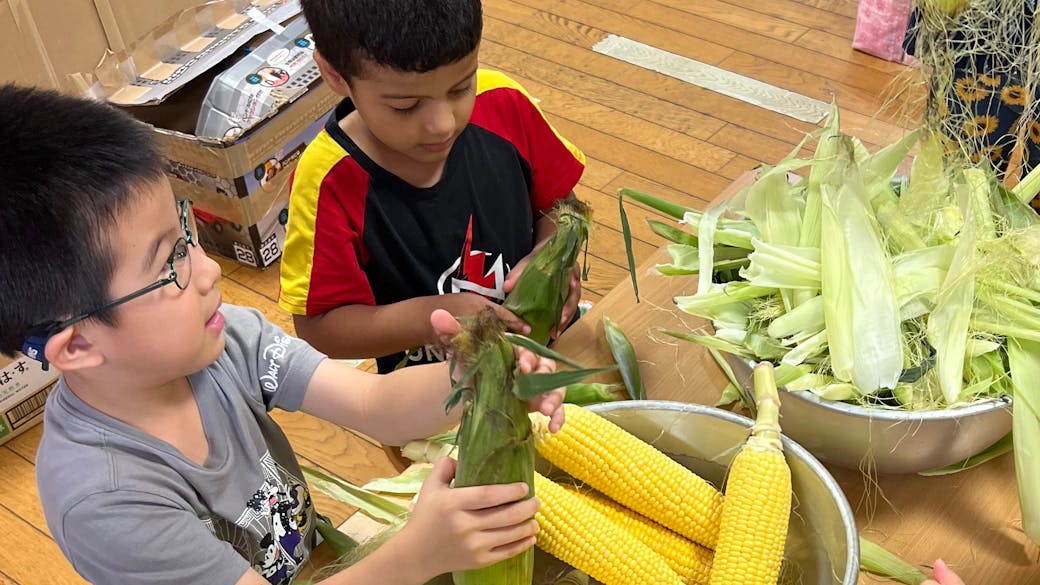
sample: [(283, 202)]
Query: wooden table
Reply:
[(970, 519)]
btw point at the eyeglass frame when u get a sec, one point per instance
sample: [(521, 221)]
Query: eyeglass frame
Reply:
[(37, 337)]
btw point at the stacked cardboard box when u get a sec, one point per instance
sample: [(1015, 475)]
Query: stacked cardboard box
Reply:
[(24, 387), (238, 183)]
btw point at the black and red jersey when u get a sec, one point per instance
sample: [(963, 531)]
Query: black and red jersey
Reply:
[(358, 234)]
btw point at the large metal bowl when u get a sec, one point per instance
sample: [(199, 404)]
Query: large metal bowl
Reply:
[(886, 441), (822, 543)]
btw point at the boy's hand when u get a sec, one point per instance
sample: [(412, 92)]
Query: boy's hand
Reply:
[(943, 575), (455, 529), (573, 294), (571, 304), (469, 304), (550, 404)]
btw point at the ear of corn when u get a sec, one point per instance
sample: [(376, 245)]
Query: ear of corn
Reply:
[(494, 438), (542, 289), (632, 473), (753, 527), (687, 558), (574, 532)]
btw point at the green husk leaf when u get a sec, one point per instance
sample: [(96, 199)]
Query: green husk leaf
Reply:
[(1024, 361), (531, 385), (730, 394), (671, 233), (626, 233), (665, 207), (877, 560), (539, 295), (585, 393), (712, 342), (448, 438), (625, 356), (407, 483), (1001, 447), (340, 544), (372, 504), (541, 350)]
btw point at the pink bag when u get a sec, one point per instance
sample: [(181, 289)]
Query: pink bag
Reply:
[(880, 27)]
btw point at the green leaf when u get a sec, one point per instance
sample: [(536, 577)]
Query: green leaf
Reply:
[(541, 350), (531, 385), (374, 505), (1003, 446)]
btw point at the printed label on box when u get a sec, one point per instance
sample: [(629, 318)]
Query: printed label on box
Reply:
[(24, 387)]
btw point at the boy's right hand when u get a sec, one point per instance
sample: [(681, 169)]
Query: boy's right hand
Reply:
[(469, 304), (455, 529)]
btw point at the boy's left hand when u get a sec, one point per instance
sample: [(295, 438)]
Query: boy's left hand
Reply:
[(550, 404), (573, 293), (571, 304)]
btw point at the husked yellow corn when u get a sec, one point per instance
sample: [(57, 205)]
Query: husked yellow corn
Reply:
[(574, 532), (687, 558), (754, 520), (631, 472)]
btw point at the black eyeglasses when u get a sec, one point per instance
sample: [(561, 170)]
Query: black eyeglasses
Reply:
[(179, 263)]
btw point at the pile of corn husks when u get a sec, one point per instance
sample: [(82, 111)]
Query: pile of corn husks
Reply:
[(917, 293)]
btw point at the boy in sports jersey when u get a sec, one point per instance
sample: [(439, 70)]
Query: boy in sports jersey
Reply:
[(160, 463), (428, 188)]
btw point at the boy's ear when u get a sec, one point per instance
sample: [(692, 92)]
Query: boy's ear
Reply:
[(337, 83), (67, 351)]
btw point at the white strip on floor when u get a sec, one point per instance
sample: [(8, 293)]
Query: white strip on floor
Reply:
[(710, 77)]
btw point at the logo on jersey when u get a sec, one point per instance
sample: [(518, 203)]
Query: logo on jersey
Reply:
[(475, 271)]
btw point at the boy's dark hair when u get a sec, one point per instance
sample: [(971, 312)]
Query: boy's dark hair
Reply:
[(407, 35), (68, 168)]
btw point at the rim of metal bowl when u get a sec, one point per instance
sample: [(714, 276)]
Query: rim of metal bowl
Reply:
[(844, 509), (978, 407), (894, 415)]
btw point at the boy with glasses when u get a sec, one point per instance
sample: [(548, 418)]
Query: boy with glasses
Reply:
[(159, 463)]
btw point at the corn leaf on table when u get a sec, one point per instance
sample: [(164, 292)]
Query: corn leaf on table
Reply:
[(971, 519)]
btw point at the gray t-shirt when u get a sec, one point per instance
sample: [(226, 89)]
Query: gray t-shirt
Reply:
[(128, 508)]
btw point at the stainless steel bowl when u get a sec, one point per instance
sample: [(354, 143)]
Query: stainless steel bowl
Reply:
[(822, 543), (886, 441)]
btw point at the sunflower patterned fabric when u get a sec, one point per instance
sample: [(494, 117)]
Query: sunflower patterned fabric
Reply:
[(984, 110)]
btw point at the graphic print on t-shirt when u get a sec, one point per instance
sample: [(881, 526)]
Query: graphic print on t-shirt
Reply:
[(271, 528), (471, 273), (475, 272)]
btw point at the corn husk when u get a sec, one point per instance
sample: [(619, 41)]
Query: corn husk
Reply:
[(494, 438), (541, 291)]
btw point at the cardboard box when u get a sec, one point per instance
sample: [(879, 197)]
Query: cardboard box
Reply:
[(239, 184), (125, 21), (24, 387), (45, 42)]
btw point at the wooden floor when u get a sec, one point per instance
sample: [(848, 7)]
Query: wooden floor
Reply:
[(640, 129)]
